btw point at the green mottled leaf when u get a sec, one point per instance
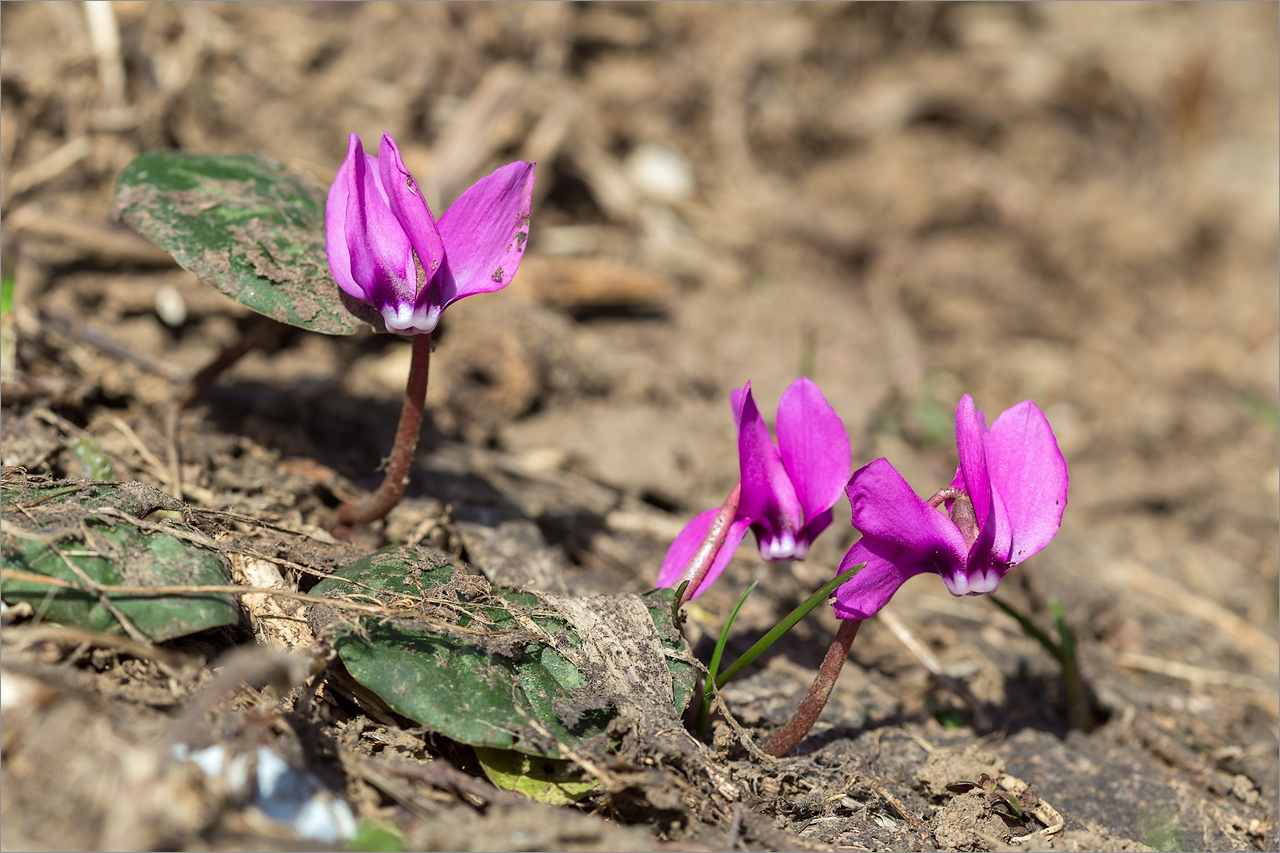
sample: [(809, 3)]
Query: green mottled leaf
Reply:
[(661, 604), (247, 225), (489, 667), (547, 780), (61, 525)]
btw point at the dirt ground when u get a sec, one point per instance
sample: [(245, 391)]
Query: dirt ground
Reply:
[(1073, 203)]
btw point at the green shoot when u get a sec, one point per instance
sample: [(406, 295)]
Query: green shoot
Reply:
[(6, 293), (704, 703), (784, 626), (1063, 651), (8, 342), (675, 605)]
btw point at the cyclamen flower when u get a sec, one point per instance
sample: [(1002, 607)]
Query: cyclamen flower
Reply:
[(385, 247), (1005, 503), (788, 489)]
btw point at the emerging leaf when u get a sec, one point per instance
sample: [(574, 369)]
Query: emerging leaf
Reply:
[(547, 780)]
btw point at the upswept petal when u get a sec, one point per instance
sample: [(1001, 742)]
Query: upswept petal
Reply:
[(1002, 542), (687, 543), (1030, 473), (409, 207), (988, 560), (886, 508), (971, 428), (768, 497), (485, 232), (888, 566), (737, 397), (814, 447), (335, 222), (381, 255)]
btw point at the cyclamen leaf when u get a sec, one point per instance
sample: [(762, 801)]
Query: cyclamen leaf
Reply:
[(249, 226), (486, 666), (59, 526)]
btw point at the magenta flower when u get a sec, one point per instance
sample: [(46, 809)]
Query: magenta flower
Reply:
[(1005, 503), (788, 489), (385, 247)]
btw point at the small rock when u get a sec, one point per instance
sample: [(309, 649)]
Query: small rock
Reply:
[(1243, 789), (660, 172)]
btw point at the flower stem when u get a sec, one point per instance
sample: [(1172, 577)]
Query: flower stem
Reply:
[(377, 504), (786, 738), (702, 559)]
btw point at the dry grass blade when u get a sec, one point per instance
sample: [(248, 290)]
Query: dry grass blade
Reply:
[(1258, 646), (106, 241), (198, 589), (51, 166), (29, 634), (492, 117)]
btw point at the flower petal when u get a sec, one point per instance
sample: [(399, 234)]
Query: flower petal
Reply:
[(1030, 474), (485, 232), (813, 527), (335, 219), (988, 560), (991, 546), (381, 255), (888, 566), (814, 447), (886, 508), (687, 544), (736, 398), (409, 207), (971, 429), (768, 497)]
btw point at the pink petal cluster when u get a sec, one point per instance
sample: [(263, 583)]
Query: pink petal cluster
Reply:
[(385, 247), (1005, 503), (788, 489)]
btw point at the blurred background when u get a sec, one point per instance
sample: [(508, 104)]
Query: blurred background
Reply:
[(1077, 203)]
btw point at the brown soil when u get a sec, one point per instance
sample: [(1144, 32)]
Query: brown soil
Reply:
[(1076, 203)]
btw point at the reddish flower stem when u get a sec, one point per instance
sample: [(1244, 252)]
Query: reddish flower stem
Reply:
[(786, 738), (702, 559), (377, 504)]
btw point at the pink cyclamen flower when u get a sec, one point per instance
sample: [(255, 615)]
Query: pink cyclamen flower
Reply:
[(788, 489), (1005, 503), (385, 247)]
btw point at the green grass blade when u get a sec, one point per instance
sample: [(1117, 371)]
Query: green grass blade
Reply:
[(785, 625), (704, 705), (714, 666), (1030, 627)]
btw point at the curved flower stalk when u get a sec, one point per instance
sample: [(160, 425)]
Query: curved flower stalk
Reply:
[(787, 489), (385, 247), (1004, 504)]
